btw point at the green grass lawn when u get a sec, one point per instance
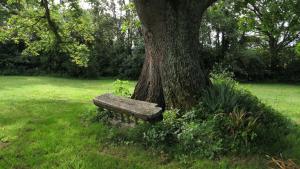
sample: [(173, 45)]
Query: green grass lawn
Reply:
[(283, 97), (41, 126)]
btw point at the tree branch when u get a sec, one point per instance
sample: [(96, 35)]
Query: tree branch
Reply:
[(52, 25)]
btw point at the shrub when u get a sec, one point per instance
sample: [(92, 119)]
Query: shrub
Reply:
[(247, 64), (160, 135), (131, 64), (200, 138), (227, 120), (121, 88), (100, 115), (221, 97), (292, 72), (245, 122)]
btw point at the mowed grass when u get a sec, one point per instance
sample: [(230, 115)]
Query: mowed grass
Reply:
[(283, 97), (42, 126)]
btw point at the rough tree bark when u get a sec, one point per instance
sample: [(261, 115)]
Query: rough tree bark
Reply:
[(173, 74)]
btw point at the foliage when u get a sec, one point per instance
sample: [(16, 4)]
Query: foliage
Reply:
[(200, 138), (121, 88), (72, 41), (227, 120), (131, 65), (221, 97), (105, 39), (32, 26), (276, 23), (254, 37), (240, 120), (247, 64), (292, 71), (298, 48)]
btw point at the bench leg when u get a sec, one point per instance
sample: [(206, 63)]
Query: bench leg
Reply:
[(122, 117), (128, 119), (113, 115), (136, 120)]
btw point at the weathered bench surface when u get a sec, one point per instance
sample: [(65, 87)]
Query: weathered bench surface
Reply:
[(140, 109)]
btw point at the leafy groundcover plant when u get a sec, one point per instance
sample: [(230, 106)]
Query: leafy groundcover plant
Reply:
[(228, 120)]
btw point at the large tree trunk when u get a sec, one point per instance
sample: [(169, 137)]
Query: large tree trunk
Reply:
[(173, 74)]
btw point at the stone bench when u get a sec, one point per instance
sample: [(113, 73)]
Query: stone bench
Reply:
[(124, 108)]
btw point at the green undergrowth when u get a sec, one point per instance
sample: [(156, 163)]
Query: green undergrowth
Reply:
[(228, 121)]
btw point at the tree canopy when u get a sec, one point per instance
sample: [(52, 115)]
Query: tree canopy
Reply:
[(255, 39)]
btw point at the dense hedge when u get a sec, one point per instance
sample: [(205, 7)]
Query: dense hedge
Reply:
[(116, 60)]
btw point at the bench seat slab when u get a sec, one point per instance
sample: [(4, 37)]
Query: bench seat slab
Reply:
[(140, 109)]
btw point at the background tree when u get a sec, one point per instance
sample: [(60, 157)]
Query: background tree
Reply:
[(88, 42), (104, 38), (274, 22), (219, 32)]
